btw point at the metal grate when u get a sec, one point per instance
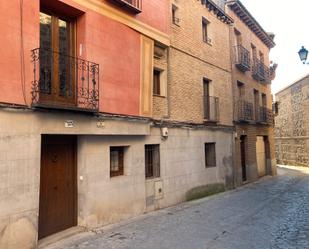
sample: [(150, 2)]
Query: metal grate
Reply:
[(152, 160), (242, 58), (260, 72), (64, 81), (244, 111)]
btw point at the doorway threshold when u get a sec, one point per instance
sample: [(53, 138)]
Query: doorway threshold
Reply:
[(52, 239)]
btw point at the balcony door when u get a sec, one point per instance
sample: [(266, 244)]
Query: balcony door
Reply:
[(206, 99), (57, 62)]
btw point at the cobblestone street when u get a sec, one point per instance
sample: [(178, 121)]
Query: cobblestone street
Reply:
[(272, 213)]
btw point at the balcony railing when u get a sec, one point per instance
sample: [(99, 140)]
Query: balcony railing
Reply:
[(244, 111), (265, 116), (64, 82), (132, 5), (260, 72), (211, 109), (242, 58)]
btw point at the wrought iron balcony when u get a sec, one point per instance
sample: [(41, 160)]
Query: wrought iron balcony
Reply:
[(211, 109), (244, 111), (132, 5), (264, 115), (242, 58), (260, 72), (64, 82)]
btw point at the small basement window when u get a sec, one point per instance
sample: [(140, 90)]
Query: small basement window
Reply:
[(116, 161), (152, 160), (210, 155)]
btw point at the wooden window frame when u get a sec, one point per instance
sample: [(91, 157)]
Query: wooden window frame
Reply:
[(175, 19), (120, 171), (55, 96), (207, 148), (205, 30), (150, 170)]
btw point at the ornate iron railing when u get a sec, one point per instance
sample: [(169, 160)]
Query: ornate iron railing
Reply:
[(64, 82), (211, 108), (259, 71), (244, 111), (265, 116), (133, 5), (242, 58)]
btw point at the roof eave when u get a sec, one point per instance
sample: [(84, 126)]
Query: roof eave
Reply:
[(240, 10)]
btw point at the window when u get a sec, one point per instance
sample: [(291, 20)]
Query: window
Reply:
[(256, 103), (241, 90), (264, 100), (206, 83), (175, 19), (254, 52), (156, 82), (261, 57), (57, 46), (210, 155), (116, 161), (152, 160), (205, 27), (238, 37)]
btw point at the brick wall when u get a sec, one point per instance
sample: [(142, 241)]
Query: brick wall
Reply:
[(189, 53), (251, 129)]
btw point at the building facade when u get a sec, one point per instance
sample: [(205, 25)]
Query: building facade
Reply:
[(76, 109), (292, 123), (108, 111), (93, 130), (251, 79)]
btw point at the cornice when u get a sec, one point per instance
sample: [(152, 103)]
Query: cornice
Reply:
[(110, 12), (240, 10)]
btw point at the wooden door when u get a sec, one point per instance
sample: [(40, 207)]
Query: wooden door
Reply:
[(243, 157), (260, 156), (58, 188)]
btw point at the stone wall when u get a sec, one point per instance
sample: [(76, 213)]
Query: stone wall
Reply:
[(292, 124)]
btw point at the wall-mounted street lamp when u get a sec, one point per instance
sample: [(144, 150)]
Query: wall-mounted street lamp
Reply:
[(303, 53)]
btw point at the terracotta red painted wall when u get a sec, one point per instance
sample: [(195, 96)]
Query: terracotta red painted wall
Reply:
[(114, 46), (117, 50), (10, 48), (156, 14)]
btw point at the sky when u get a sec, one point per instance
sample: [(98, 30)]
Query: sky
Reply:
[(290, 23)]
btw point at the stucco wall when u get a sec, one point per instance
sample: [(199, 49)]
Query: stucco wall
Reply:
[(113, 44), (101, 199)]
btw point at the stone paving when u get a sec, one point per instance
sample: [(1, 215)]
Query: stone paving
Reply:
[(272, 213)]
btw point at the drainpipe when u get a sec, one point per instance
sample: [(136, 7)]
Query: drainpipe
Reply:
[(234, 133), (168, 85)]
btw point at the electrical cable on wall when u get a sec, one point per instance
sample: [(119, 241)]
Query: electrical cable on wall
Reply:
[(22, 59)]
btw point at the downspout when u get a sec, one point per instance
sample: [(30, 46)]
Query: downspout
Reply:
[(234, 134), (168, 85)]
